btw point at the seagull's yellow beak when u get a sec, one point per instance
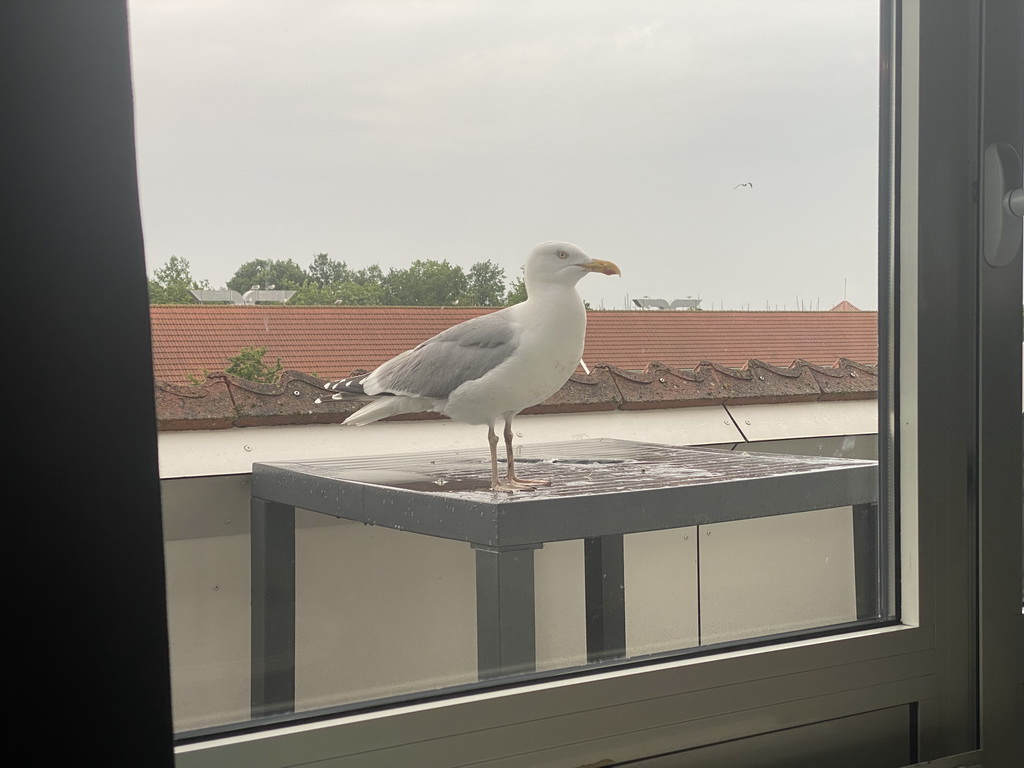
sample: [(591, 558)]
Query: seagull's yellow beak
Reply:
[(602, 266)]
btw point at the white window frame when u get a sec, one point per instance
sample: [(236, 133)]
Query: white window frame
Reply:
[(925, 663)]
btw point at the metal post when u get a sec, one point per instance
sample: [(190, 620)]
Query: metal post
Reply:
[(505, 623), (273, 608), (869, 546), (604, 577)]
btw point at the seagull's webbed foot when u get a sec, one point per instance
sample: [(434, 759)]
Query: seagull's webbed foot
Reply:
[(529, 482), (505, 485)]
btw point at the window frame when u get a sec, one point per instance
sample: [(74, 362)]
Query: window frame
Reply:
[(627, 713)]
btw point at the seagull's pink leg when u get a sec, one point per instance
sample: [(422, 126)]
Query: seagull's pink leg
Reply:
[(512, 478), (492, 440), (499, 484)]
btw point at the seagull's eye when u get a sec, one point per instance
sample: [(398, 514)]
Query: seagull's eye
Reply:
[(563, 255)]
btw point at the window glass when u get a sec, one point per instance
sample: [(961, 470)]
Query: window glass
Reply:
[(723, 154)]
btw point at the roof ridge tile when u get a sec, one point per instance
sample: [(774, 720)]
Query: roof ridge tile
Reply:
[(223, 400)]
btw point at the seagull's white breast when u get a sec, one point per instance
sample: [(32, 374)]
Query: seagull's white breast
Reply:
[(548, 350)]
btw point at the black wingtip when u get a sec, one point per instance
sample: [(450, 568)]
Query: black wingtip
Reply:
[(350, 386)]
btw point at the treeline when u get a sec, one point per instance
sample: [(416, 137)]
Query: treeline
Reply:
[(328, 281)]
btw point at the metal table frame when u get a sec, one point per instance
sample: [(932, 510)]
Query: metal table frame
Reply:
[(602, 490)]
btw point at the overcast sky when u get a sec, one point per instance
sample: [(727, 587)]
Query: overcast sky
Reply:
[(392, 130)]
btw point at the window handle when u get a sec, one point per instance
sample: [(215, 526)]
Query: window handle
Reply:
[(1002, 201)]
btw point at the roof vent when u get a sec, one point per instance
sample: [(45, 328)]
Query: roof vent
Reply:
[(648, 303), (252, 296)]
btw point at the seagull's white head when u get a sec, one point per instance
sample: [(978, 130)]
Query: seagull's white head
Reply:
[(558, 263)]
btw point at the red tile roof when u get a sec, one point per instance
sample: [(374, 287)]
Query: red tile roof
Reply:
[(331, 342)]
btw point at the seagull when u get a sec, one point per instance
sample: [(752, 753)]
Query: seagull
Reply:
[(495, 365), (745, 184)]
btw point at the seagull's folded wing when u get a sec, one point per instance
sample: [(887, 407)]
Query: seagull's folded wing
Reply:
[(441, 364)]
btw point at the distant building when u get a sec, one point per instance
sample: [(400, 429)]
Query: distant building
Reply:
[(844, 306), (646, 303)]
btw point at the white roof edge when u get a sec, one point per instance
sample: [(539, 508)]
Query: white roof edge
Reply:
[(204, 453)]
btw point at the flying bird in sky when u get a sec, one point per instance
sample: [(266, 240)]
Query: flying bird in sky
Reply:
[(491, 367), (745, 184)]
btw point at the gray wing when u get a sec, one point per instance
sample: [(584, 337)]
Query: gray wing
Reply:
[(441, 364)]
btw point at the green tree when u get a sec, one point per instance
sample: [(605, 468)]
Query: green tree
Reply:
[(516, 292), (368, 294), (371, 275), (248, 364), (334, 282), (325, 270), (339, 293), (283, 275), (426, 283), (313, 293), (486, 285), (171, 283)]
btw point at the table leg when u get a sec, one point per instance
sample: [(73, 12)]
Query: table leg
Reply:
[(273, 608), (506, 632), (870, 561), (604, 578)]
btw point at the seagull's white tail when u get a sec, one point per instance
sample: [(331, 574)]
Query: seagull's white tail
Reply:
[(383, 407)]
